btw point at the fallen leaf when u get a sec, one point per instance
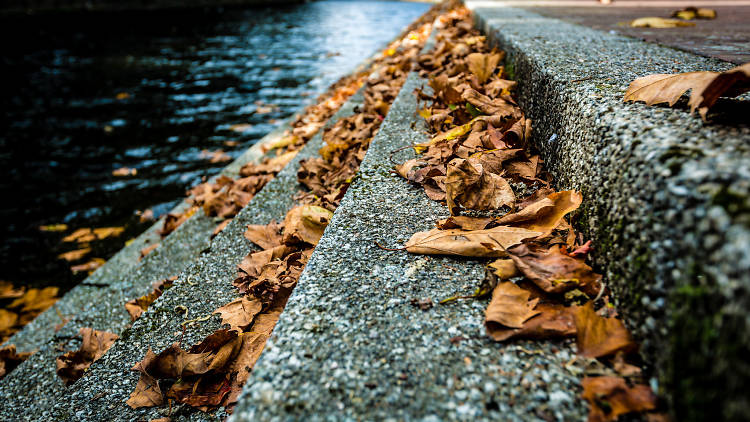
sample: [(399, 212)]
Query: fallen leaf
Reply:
[(53, 228), (217, 156), (72, 365), (657, 22), (74, 255), (488, 243), (241, 127), (483, 65), (305, 223), (8, 291), (35, 300), (546, 214), (89, 266), (487, 105), (610, 397), (510, 307), (464, 222), (148, 249), (706, 87), (266, 236), (598, 336), (553, 271), (467, 184), (504, 268), (690, 13), (136, 307), (82, 235), (239, 313), (124, 171), (220, 227), (553, 321), (10, 359), (105, 232)]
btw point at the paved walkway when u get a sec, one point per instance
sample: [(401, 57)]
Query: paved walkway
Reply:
[(727, 37)]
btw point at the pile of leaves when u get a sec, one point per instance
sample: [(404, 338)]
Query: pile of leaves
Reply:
[(212, 373), (226, 196), (479, 162), (21, 306)]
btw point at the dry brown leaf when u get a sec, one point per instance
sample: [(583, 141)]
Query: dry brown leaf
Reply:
[(8, 291), (74, 255), (35, 300), (467, 184), (488, 243), (657, 22), (553, 321), (610, 397), (545, 214), (305, 223), (147, 392), (554, 271), (487, 105), (240, 312), (148, 249), (124, 171), (598, 336), (72, 365), (10, 359), (483, 65), (504, 268), (510, 307), (8, 320), (706, 87), (89, 266), (266, 236), (464, 222), (105, 232), (136, 307)]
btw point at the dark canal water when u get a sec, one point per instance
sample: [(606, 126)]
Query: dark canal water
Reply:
[(85, 95)]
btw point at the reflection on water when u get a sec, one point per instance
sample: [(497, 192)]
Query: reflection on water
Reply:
[(85, 95)]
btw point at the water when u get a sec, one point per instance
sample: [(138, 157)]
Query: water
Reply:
[(84, 95)]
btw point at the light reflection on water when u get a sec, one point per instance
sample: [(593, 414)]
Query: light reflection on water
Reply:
[(188, 77)]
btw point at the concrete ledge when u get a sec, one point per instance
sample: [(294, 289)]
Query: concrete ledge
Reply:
[(201, 287), (351, 346), (667, 197)]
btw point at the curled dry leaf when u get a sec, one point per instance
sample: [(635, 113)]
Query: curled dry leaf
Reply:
[(464, 222), (598, 336), (510, 307), (706, 87), (610, 397), (10, 359), (657, 22), (467, 184), (554, 271), (488, 243), (266, 236), (553, 321), (74, 255), (72, 365), (306, 223), (483, 65), (545, 214), (504, 268), (136, 307), (240, 312)]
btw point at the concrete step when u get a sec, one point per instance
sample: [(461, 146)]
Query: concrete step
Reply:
[(666, 196), (33, 391), (126, 276), (350, 345)]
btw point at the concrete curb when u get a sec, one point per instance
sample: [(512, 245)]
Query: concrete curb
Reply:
[(203, 286), (351, 346), (666, 197)]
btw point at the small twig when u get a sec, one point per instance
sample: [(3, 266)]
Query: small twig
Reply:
[(390, 155), (388, 249), (190, 321)]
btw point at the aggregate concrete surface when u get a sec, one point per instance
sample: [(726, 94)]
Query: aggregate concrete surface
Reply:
[(351, 346), (666, 197), (203, 286)]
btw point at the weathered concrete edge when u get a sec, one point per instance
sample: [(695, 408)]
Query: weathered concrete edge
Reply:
[(126, 262), (666, 199), (350, 346), (203, 286)]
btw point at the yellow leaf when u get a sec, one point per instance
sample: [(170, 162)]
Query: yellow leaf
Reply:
[(656, 22)]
